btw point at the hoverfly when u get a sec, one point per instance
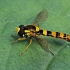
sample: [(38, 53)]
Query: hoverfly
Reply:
[(34, 31)]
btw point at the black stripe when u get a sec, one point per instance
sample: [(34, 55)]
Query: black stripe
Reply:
[(64, 36), (40, 32), (33, 27), (49, 33), (57, 34), (30, 27)]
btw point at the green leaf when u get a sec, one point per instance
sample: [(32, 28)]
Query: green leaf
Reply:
[(14, 13)]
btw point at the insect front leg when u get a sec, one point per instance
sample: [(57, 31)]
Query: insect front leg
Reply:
[(19, 39), (14, 35)]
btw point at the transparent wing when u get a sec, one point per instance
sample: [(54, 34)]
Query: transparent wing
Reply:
[(40, 17), (43, 43)]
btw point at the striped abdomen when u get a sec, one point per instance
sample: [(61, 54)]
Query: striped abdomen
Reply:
[(54, 34)]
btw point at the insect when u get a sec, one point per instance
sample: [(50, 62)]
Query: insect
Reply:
[(34, 31)]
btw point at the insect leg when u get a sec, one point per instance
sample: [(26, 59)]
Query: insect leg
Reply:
[(14, 35), (18, 40), (26, 47)]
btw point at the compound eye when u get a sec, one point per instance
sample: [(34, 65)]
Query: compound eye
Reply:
[(21, 26)]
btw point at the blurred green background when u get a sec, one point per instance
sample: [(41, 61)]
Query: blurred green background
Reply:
[(16, 12)]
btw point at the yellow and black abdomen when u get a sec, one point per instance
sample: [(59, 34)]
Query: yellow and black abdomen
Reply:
[(54, 34)]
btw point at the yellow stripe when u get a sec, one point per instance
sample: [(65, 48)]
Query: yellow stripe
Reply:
[(45, 32), (54, 34), (62, 35), (68, 37), (37, 28), (26, 31)]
